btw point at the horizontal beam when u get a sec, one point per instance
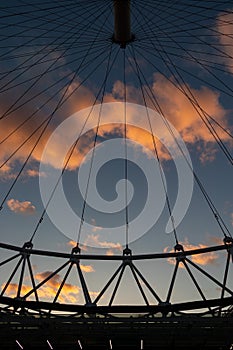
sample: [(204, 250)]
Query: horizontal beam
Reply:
[(117, 257), (115, 309)]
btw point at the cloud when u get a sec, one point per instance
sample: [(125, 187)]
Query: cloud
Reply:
[(111, 248), (200, 259), (207, 153), (179, 111), (18, 207), (13, 288), (70, 293), (224, 26), (95, 240), (215, 240), (175, 105), (14, 130), (73, 244), (7, 172), (47, 292), (35, 173), (93, 295), (87, 268), (110, 252), (95, 228), (182, 114)]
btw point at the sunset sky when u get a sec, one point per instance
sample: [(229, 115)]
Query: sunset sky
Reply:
[(58, 58)]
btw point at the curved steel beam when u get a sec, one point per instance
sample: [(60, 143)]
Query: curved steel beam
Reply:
[(118, 257), (163, 308)]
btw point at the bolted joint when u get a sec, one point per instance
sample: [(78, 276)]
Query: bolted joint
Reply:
[(90, 305), (127, 252), (20, 298), (165, 305), (228, 240), (76, 250), (180, 258), (28, 245), (179, 248), (74, 259)]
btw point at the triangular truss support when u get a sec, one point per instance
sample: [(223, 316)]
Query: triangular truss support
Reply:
[(137, 277)]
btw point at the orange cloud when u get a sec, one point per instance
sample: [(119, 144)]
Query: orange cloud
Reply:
[(110, 252), (34, 173), (94, 294), (13, 288), (179, 111), (182, 114), (201, 259), (207, 153), (70, 293), (111, 248), (95, 240), (25, 207), (87, 268), (216, 240), (10, 141), (6, 172), (176, 107), (73, 244)]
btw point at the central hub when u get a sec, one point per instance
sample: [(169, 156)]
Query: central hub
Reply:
[(122, 24)]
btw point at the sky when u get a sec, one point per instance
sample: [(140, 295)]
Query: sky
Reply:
[(64, 79)]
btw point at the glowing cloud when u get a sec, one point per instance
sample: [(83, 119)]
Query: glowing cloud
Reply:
[(13, 288), (95, 240), (175, 105), (183, 115), (216, 240), (70, 293), (21, 207), (201, 259), (87, 268), (73, 244), (34, 173)]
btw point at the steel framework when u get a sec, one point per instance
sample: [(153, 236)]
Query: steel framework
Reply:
[(162, 323)]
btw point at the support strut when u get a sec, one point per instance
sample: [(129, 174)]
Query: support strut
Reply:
[(122, 26)]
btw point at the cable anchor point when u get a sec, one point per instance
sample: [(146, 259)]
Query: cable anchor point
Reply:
[(179, 248), (228, 241)]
